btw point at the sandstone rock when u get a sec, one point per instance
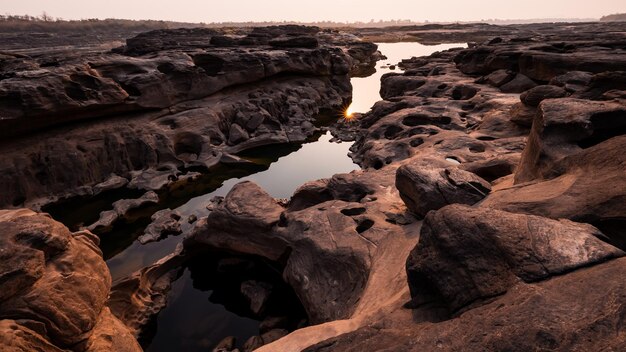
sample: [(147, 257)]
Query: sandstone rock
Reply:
[(518, 84), (57, 288), (121, 209), (226, 345), (273, 335), (237, 134), (564, 126), (164, 223), (469, 255), (572, 81), (136, 299), (110, 334), (430, 185), (253, 343), (534, 96), (499, 78), (271, 323), (15, 337), (586, 186), (517, 320)]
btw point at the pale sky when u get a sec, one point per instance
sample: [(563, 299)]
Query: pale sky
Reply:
[(314, 10)]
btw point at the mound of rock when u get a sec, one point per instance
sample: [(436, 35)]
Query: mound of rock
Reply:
[(54, 288)]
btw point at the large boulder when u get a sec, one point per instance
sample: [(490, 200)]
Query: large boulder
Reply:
[(429, 185), (534, 96), (469, 255), (587, 186), (55, 283), (564, 127)]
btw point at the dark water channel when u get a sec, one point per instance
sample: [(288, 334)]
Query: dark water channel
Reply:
[(206, 304)]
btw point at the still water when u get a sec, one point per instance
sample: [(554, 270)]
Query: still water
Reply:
[(365, 91), (194, 319)]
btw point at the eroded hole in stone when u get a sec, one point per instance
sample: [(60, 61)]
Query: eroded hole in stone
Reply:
[(416, 142), (453, 160), (188, 143), (353, 211), (392, 131), (605, 126), (364, 225), (477, 148), (211, 64), (421, 119), (493, 171)]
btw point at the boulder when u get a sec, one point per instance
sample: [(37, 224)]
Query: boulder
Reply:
[(534, 96), (563, 127), (427, 186), (469, 255), (518, 84), (164, 223), (55, 285)]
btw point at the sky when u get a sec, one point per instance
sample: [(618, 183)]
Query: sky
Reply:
[(314, 10)]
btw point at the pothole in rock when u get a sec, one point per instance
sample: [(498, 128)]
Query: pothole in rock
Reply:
[(223, 296)]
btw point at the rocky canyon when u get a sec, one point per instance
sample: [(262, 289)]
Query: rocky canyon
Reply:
[(483, 207)]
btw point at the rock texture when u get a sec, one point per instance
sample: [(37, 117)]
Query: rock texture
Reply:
[(511, 150), (154, 111), (469, 255), (55, 285), (531, 261)]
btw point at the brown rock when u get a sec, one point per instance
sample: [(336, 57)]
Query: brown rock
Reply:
[(429, 185), (469, 255)]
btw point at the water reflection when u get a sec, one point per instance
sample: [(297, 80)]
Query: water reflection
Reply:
[(311, 161), (365, 90)]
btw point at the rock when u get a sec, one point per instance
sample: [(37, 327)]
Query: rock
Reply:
[(136, 299), (295, 42), (237, 134), (162, 85), (393, 85), (164, 223), (192, 218), (110, 334), (499, 78), (576, 188), (516, 321), (271, 323), (523, 115), (564, 126), (15, 337), (257, 294), (226, 345), (273, 335), (121, 210), (573, 81), (252, 343), (518, 84), (534, 96), (469, 255), (242, 226), (430, 185), (114, 182), (55, 284)]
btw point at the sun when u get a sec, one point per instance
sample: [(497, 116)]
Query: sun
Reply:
[(348, 114)]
